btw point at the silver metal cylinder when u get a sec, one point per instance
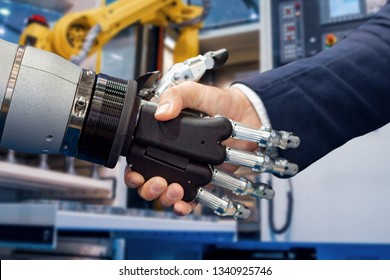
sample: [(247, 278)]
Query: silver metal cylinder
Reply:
[(212, 201), (285, 140), (284, 167), (38, 111), (256, 162), (243, 132), (229, 182), (222, 206)]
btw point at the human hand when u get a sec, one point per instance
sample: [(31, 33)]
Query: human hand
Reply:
[(231, 103)]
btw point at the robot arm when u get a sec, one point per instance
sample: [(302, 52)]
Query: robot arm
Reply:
[(52, 106), (79, 34)]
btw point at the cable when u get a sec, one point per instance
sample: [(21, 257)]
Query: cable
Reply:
[(290, 203)]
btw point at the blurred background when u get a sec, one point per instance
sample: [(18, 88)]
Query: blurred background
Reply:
[(54, 207)]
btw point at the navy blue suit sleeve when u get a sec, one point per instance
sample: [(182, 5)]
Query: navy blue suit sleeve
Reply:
[(334, 96)]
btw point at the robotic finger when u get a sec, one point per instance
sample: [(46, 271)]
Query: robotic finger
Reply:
[(191, 69), (222, 206), (265, 137), (242, 186), (261, 162)]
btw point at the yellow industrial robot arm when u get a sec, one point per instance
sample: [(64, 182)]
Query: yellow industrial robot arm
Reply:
[(89, 30)]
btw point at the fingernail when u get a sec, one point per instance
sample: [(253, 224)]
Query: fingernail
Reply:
[(172, 194), (156, 188), (164, 108), (131, 183)]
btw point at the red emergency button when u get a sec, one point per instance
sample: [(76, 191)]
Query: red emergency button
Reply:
[(291, 28), (37, 19), (330, 40)]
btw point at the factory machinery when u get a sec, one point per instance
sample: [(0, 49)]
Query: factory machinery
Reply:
[(104, 117), (97, 118), (80, 198)]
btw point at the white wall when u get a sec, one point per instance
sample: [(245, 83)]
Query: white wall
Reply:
[(344, 197)]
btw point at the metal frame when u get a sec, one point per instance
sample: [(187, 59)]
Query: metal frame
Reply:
[(48, 183)]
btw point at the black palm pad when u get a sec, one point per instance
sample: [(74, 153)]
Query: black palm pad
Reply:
[(180, 150)]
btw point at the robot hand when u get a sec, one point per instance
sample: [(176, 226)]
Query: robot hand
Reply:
[(51, 106), (186, 149)]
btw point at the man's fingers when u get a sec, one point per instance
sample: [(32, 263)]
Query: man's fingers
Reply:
[(153, 188), (157, 188), (133, 179), (192, 95), (172, 194), (165, 111), (174, 100), (182, 208)]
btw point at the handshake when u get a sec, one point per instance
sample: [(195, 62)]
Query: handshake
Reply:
[(195, 135)]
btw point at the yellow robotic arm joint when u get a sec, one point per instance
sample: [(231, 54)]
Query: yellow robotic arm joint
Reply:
[(70, 33)]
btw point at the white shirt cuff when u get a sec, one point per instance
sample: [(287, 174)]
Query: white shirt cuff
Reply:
[(255, 99)]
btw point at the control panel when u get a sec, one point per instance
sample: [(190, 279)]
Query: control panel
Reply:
[(302, 28)]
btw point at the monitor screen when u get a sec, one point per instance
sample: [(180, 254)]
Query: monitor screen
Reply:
[(340, 8)]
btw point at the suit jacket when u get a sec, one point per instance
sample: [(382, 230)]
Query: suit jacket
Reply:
[(334, 96)]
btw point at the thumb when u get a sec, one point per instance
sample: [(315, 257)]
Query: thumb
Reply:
[(169, 106), (177, 98)]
